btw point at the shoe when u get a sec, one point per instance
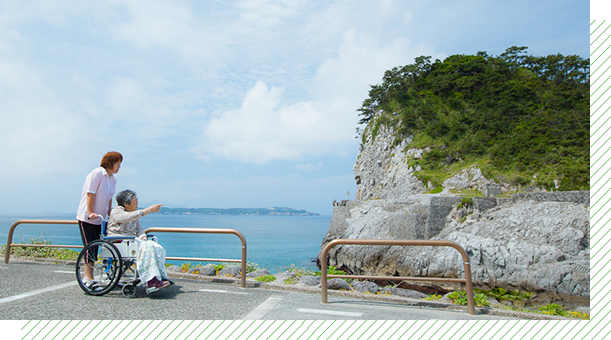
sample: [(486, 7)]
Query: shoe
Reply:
[(92, 285), (154, 285)]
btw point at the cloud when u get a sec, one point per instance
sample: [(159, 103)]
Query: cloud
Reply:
[(37, 131), (308, 167), (266, 13), (265, 127), (262, 130)]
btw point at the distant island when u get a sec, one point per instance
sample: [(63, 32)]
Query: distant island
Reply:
[(275, 211)]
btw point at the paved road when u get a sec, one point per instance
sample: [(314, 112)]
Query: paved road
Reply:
[(32, 291)]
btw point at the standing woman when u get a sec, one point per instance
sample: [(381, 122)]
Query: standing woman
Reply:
[(95, 205)]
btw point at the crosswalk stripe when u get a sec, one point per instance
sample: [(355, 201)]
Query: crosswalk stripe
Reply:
[(328, 312), (263, 308), (36, 292)]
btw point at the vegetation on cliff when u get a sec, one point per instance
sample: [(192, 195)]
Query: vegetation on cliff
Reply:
[(524, 119)]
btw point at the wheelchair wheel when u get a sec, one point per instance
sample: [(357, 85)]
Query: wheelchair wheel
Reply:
[(129, 291), (107, 269)]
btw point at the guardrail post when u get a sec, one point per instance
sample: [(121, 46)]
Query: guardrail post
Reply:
[(435, 243)]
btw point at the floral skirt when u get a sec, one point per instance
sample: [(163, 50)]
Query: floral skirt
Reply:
[(151, 261)]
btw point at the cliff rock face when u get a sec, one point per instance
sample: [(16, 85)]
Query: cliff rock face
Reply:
[(539, 242), (381, 172)]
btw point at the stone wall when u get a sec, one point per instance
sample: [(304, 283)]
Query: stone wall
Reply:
[(582, 197), (542, 247)]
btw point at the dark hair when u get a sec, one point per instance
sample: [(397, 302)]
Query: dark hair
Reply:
[(110, 158), (125, 197)]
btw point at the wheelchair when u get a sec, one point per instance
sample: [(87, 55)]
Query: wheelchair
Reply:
[(115, 264)]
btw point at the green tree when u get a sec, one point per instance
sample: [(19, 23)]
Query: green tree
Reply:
[(522, 113)]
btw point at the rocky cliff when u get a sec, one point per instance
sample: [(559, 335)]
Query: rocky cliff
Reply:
[(536, 241)]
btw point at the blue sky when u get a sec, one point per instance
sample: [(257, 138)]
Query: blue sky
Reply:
[(224, 103)]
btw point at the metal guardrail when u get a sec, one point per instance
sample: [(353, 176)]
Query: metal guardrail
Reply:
[(435, 243), (9, 241), (207, 231)]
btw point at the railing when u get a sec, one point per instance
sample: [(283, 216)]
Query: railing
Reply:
[(435, 243), (9, 241), (207, 231)]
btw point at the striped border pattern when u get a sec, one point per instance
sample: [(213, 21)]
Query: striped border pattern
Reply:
[(600, 177), (310, 329), (597, 328)]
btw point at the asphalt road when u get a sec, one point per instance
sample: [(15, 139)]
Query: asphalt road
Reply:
[(34, 291)]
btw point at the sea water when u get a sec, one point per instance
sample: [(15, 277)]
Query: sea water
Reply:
[(273, 242)]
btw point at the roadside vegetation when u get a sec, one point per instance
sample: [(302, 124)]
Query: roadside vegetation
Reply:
[(42, 252)]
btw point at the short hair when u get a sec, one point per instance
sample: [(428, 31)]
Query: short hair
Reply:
[(125, 197), (110, 158)]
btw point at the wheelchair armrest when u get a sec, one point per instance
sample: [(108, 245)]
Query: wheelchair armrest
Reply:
[(150, 236), (118, 237)]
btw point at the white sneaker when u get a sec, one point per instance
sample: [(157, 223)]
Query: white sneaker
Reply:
[(92, 285)]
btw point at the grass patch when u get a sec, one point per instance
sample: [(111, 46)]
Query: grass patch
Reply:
[(186, 266), (551, 309), (433, 297), (501, 294), (54, 253), (299, 273), (460, 298), (266, 278), (436, 190)]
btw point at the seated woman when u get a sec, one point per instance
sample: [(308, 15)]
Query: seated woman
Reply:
[(151, 256)]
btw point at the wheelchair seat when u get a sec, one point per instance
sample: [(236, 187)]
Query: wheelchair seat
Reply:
[(127, 245)]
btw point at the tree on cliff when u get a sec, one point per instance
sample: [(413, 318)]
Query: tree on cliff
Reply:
[(523, 115)]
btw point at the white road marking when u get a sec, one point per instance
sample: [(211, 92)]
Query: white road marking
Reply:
[(221, 291), (263, 308), (64, 272), (328, 312), (36, 292)]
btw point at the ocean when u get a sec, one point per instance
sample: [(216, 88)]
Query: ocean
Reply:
[(273, 242)]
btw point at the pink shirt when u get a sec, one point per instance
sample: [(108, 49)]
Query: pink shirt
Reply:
[(98, 182)]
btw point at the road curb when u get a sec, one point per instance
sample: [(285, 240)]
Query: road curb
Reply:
[(372, 297)]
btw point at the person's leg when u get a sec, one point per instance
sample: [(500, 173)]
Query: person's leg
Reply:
[(89, 233), (160, 260), (148, 266)]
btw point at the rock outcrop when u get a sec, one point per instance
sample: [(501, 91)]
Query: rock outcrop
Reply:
[(535, 241), (381, 172)]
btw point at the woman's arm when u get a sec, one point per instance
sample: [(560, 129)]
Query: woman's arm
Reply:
[(119, 215), (151, 209), (90, 213), (122, 216)]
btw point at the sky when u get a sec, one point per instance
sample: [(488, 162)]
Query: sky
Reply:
[(224, 104)]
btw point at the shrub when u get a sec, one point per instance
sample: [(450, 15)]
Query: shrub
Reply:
[(55, 253), (553, 309), (502, 294), (266, 278), (460, 298)]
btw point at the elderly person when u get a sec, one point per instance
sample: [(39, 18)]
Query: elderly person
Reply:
[(151, 256), (95, 204)]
